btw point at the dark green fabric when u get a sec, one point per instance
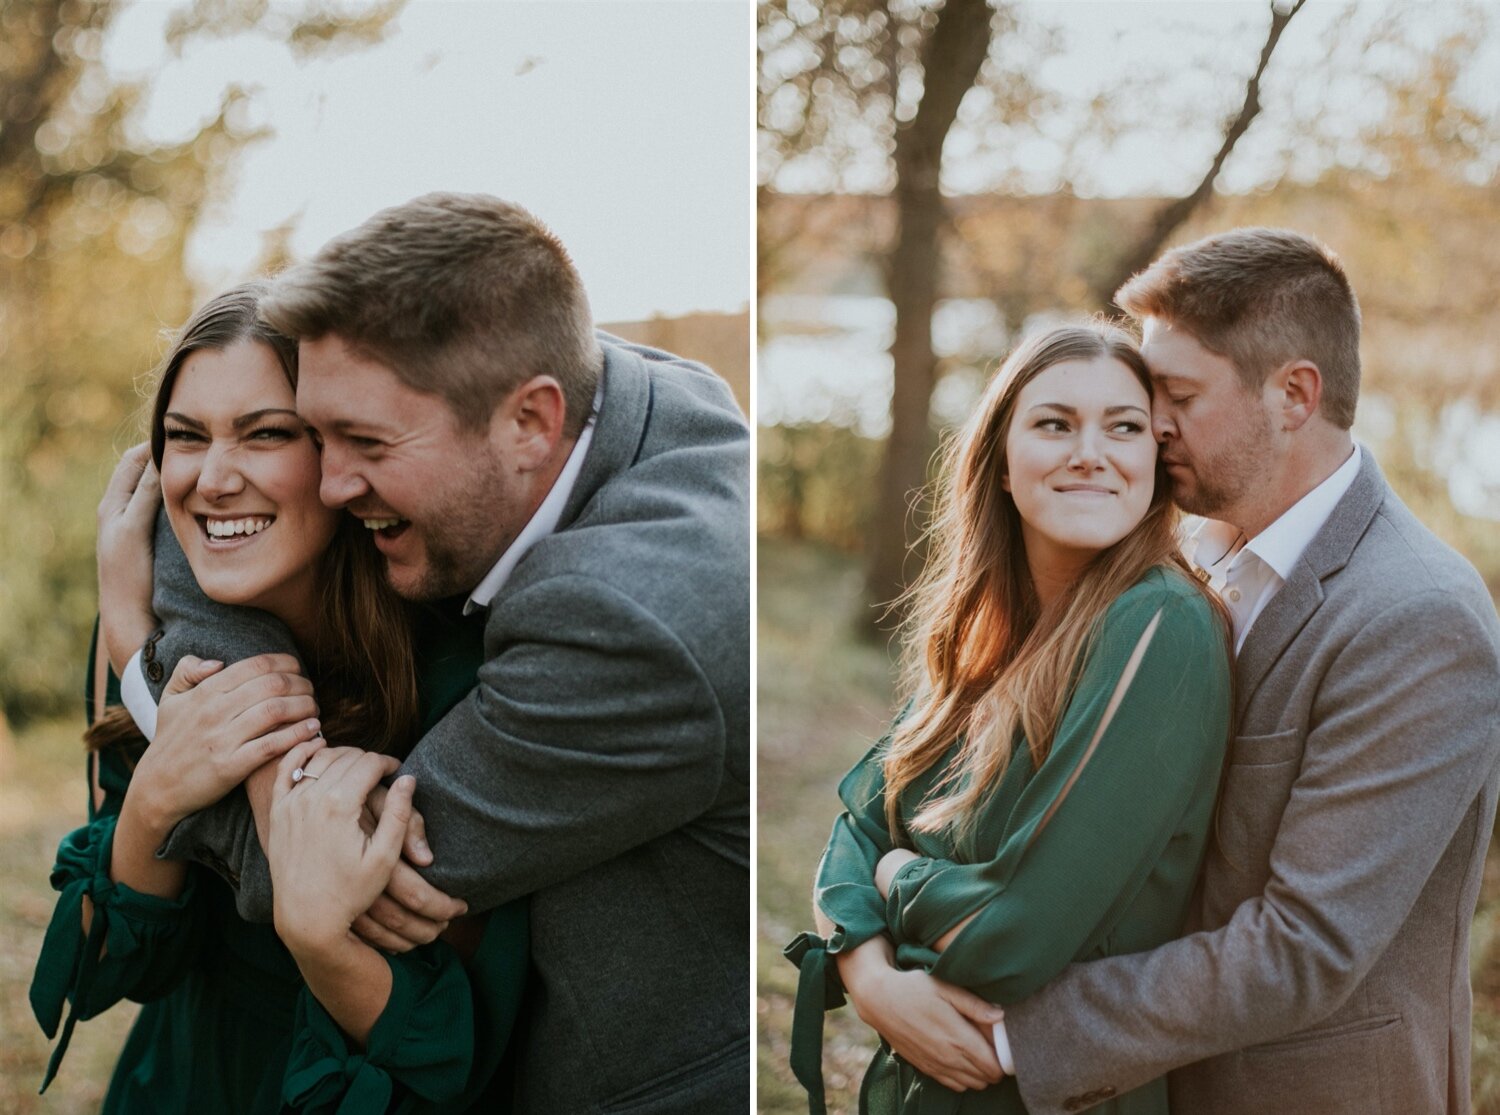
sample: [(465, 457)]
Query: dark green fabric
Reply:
[(1110, 871), (228, 1025)]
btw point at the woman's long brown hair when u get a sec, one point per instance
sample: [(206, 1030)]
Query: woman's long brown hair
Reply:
[(982, 657), (363, 671)]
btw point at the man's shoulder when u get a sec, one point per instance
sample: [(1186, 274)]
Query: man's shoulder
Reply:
[(1398, 558), (688, 384)]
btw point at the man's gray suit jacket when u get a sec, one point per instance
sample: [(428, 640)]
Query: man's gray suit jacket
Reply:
[(602, 763), (1329, 970)]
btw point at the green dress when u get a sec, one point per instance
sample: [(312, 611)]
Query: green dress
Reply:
[(1052, 878), (228, 1025)]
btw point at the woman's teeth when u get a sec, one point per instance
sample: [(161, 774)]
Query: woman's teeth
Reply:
[(226, 528), (379, 524)]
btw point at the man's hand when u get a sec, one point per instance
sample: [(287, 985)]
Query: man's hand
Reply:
[(942, 1030), (412, 911), (216, 725), (127, 515)]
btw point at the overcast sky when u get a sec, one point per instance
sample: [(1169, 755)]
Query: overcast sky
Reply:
[(623, 124)]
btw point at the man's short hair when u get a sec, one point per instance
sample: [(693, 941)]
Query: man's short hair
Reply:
[(1260, 297), (463, 296)]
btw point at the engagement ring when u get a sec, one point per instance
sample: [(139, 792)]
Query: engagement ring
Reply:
[(299, 774)]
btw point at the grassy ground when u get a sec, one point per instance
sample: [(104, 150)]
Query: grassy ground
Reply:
[(42, 796), (824, 697)]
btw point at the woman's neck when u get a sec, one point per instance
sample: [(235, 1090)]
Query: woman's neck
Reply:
[(1054, 567), (300, 612)]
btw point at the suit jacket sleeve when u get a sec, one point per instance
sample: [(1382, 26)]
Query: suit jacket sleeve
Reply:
[(592, 730), (1392, 762), (221, 837)]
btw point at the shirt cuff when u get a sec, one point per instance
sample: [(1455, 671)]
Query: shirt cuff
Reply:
[(1002, 1048), (136, 697)]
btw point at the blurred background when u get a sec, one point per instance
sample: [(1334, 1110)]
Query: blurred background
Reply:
[(936, 178), (153, 153)]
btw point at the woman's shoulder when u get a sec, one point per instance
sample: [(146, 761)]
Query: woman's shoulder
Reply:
[(1170, 593)]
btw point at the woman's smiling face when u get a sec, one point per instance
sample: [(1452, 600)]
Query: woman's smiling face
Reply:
[(239, 477), (1080, 458)]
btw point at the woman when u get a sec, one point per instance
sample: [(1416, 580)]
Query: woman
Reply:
[(239, 1019), (1046, 794)]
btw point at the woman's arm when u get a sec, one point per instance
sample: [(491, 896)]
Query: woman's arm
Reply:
[(942, 1034), (326, 870), (367, 1023), (1132, 773), (207, 742)]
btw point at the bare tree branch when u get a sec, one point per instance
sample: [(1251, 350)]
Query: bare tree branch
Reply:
[(1176, 212)]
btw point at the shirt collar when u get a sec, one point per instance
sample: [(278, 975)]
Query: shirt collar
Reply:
[(542, 522), (1216, 545), (1282, 543)]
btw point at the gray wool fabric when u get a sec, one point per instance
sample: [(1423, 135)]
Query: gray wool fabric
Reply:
[(1329, 969), (602, 763)]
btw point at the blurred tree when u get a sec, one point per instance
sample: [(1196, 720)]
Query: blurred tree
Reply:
[(838, 75), (94, 220)]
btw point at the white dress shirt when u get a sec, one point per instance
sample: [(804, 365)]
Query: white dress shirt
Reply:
[(135, 695), (1246, 574)]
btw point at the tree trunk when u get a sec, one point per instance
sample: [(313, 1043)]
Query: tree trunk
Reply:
[(951, 59)]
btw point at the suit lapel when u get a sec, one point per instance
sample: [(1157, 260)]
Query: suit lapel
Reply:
[(617, 430), (1291, 608)]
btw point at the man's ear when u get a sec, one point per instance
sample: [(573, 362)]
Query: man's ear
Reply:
[(1298, 389), (528, 424)]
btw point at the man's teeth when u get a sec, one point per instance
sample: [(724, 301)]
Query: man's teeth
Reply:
[(225, 528), (379, 524)]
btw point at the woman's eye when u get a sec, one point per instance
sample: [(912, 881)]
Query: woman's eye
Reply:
[(272, 433), (1128, 427), (183, 435), (1052, 425)]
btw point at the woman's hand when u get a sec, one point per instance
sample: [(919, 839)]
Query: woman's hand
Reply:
[(215, 725), (325, 869), (942, 1030), (127, 517)]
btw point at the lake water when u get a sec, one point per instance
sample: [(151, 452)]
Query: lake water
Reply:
[(825, 359)]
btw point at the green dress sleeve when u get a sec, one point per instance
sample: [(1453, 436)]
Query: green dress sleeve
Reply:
[(138, 946), (845, 892), (1099, 814), (435, 1044)]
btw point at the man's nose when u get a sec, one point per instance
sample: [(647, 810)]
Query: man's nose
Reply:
[(219, 477), (1162, 426), (341, 483)]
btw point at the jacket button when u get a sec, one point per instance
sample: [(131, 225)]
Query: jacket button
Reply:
[(148, 652), (154, 672)]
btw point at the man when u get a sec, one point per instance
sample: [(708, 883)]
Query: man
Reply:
[(593, 499), (1326, 967)]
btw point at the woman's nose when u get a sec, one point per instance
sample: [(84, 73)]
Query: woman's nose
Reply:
[(1087, 453), (219, 477)]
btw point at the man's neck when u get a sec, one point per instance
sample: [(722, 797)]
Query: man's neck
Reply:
[(545, 480), (1304, 468)]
